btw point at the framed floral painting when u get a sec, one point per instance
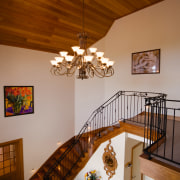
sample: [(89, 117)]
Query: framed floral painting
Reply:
[(18, 100)]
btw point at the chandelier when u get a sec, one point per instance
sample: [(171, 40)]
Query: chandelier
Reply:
[(88, 62)]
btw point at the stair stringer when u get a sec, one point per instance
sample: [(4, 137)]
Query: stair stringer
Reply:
[(92, 148)]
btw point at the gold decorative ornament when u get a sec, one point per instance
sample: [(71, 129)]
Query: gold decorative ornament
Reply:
[(109, 160)]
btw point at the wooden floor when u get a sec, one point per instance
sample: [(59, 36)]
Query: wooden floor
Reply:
[(166, 148)]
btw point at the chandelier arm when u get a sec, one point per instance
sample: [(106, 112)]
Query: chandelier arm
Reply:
[(66, 63), (54, 70), (73, 68), (90, 72), (112, 69), (63, 70), (97, 73), (58, 72), (68, 66), (76, 62), (64, 73), (110, 72), (79, 62)]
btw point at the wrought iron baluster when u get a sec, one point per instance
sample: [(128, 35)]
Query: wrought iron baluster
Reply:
[(137, 107), (121, 106), (124, 107), (118, 109), (172, 154), (127, 109), (141, 111), (134, 108), (108, 115), (112, 112), (130, 106), (115, 111), (165, 119)]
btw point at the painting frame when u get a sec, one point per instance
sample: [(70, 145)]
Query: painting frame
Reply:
[(18, 100), (146, 62)]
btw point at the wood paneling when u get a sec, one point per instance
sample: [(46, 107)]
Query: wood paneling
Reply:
[(52, 25), (11, 161)]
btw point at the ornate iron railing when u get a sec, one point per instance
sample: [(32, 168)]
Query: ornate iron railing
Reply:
[(162, 127), (123, 106)]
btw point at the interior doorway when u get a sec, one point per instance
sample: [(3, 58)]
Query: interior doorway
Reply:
[(135, 168), (11, 160)]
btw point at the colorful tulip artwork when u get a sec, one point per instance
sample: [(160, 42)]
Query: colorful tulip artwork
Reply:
[(18, 100)]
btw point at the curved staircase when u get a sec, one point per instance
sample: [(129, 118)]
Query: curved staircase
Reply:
[(104, 123)]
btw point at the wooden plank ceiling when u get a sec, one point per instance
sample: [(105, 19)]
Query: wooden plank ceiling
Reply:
[(53, 25)]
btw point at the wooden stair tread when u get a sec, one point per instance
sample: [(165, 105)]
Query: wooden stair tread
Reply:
[(41, 171), (87, 145)]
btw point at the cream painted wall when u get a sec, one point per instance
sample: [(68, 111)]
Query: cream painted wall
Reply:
[(154, 27), (151, 28), (89, 95), (53, 119), (96, 162)]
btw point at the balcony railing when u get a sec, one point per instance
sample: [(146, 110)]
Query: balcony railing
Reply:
[(162, 130)]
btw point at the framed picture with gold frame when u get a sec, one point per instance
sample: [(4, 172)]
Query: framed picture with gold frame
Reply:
[(146, 62), (18, 100)]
